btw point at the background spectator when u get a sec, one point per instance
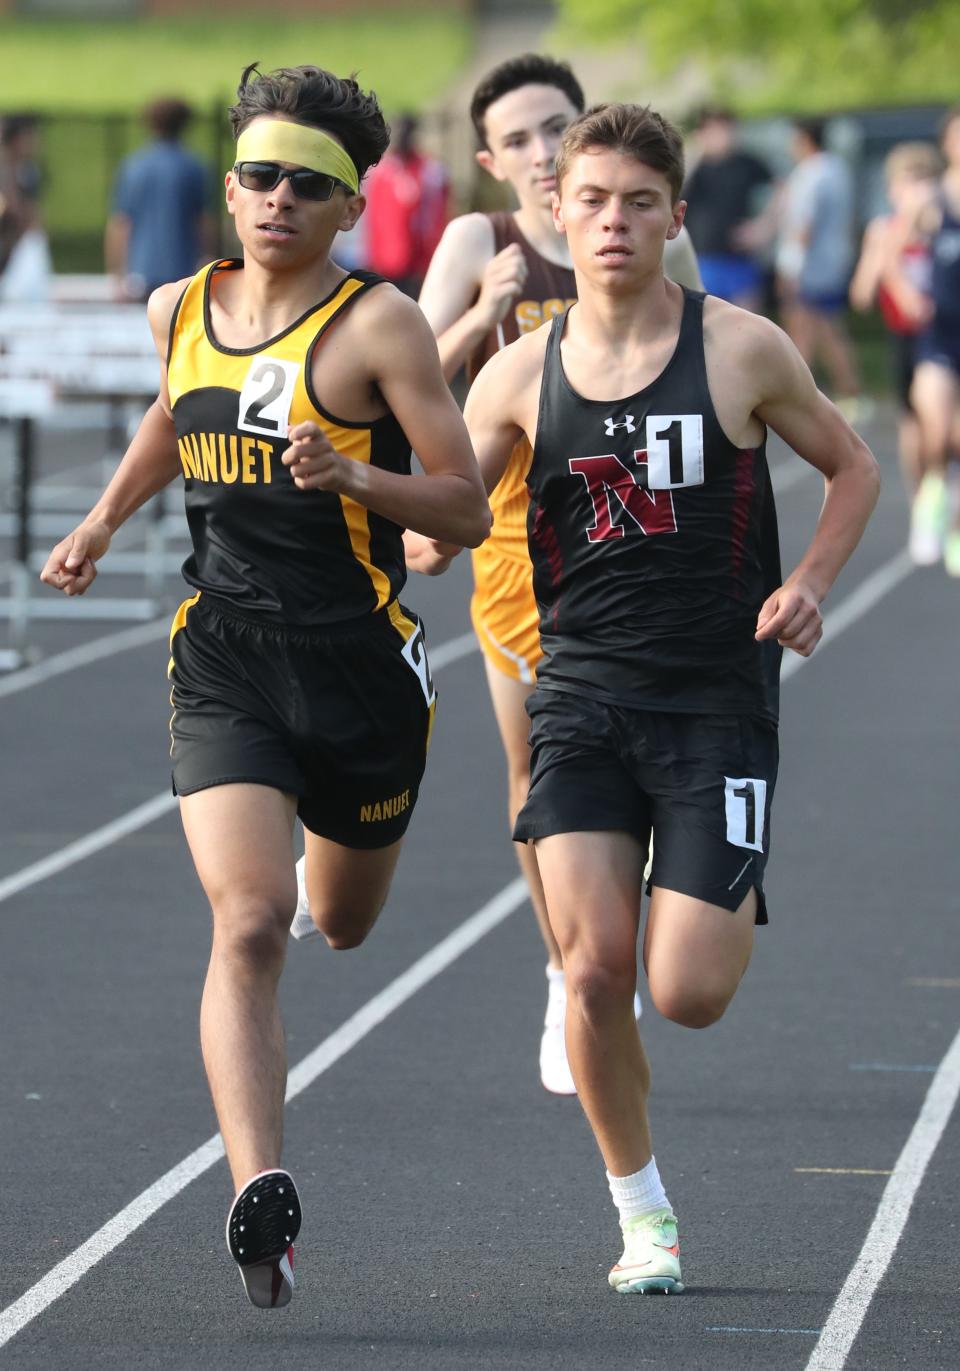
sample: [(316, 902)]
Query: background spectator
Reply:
[(724, 192), (408, 203), (814, 258), (892, 250), (25, 267), (159, 229), (935, 517)]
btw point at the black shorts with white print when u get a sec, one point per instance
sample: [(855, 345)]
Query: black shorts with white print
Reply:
[(703, 783)]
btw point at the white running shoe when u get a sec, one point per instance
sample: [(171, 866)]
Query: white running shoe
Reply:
[(263, 1222), (554, 1068), (555, 1074), (651, 1256), (302, 925)]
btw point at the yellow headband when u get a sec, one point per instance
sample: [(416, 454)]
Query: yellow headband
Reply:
[(275, 140)]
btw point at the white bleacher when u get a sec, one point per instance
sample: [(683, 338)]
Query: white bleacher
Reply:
[(79, 348)]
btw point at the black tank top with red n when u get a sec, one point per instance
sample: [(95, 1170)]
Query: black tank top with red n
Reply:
[(654, 543)]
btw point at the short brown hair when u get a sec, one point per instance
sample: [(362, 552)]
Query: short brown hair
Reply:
[(921, 161), (636, 130)]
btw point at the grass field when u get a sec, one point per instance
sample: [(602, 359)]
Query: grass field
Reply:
[(63, 66)]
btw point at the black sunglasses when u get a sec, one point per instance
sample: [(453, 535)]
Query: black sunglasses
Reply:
[(306, 184)]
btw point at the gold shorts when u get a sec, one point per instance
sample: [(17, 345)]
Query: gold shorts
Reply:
[(504, 614)]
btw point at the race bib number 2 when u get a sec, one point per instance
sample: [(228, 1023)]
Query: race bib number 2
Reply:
[(267, 396), (415, 653)]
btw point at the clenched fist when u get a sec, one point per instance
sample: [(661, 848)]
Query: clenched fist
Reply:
[(503, 279), (71, 565), (314, 462)]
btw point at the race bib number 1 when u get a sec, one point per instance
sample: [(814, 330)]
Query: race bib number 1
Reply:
[(746, 805), (674, 451)]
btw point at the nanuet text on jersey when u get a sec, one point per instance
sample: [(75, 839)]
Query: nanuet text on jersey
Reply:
[(226, 458)]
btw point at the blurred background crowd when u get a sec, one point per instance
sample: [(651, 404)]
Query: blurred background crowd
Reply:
[(823, 182)]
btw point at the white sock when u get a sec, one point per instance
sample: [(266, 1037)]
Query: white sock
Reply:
[(640, 1193), (556, 996)]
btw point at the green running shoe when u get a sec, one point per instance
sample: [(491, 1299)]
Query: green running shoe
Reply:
[(951, 553), (928, 520), (651, 1256)]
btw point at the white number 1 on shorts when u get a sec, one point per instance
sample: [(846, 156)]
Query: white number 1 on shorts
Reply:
[(746, 804)]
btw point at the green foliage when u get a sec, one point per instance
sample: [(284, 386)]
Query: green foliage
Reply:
[(762, 55), (62, 66)]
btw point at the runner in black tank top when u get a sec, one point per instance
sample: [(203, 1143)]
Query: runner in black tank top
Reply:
[(484, 290), (654, 543), (653, 537)]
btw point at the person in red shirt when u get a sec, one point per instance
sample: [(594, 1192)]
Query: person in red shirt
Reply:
[(911, 170), (408, 203)]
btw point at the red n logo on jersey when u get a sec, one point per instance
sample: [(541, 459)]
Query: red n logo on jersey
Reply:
[(651, 510)]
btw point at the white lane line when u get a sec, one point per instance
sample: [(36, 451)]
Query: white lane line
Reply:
[(847, 1315), (444, 654), (859, 602), (85, 847), (143, 634), (94, 651), (452, 650), (67, 1272), (72, 1268)]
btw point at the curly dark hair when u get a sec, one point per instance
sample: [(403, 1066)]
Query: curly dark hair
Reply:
[(532, 69), (310, 95)]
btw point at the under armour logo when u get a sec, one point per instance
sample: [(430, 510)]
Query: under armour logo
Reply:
[(626, 422)]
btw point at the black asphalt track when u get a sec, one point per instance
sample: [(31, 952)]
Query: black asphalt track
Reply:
[(456, 1215)]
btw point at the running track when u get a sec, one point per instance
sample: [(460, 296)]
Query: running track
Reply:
[(456, 1215)]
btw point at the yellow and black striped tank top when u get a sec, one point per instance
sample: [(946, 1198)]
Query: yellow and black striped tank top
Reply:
[(299, 557)]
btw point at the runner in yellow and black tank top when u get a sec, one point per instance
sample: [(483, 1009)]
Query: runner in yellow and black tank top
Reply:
[(294, 666), (257, 542), (503, 607)]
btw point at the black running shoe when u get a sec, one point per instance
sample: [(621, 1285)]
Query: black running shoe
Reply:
[(262, 1224)]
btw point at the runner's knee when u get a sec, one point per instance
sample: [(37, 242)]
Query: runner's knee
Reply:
[(252, 930), (345, 929), (696, 1006), (600, 985)]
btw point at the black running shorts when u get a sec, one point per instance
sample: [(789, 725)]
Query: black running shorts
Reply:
[(340, 717), (703, 783)]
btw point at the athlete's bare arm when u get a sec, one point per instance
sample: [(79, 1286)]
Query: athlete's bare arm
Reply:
[(150, 462), (871, 263), (501, 408), (398, 354), (755, 373), (502, 405), (468, 289)]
